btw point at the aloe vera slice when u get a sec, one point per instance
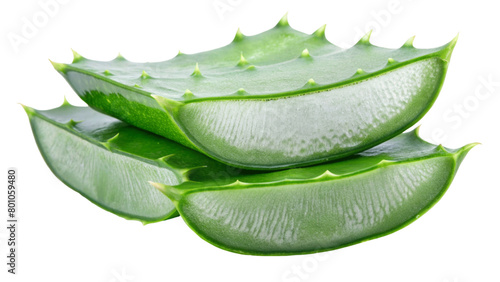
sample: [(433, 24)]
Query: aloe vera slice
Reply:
[(278, 99), (322, 207), (110, 162)]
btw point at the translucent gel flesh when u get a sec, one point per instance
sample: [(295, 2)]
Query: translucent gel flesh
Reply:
[(316, 125), (112, 180), (320, 215)]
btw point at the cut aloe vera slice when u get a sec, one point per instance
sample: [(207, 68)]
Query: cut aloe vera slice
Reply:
[(323, 207), (278, 99), (110, 162)]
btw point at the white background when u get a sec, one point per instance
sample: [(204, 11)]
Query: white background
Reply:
[(63, 237)]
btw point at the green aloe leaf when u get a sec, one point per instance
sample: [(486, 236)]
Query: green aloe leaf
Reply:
[(323, 207), (278, 99), (293, 211), (110, 162)]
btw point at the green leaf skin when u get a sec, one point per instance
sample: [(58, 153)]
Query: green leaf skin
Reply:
[(323, 207), (275, 100), (110, 162)]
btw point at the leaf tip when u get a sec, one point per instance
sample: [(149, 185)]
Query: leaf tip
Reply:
[(241, 91), (327, 174), (29, 111), (242, 60), (164, 159), (239, 36), (168, 191), (168, 105), (186, 173), (441, 148), (365, 40), (237, 182), (448, 49), (320, 32), (145, 75), (114, 138), (283, 22), (72, 123), (409, 42), (59, 66), (76, 57), (462, 152), (305, 53), (453, 42), (196, 72), (109, 142), (120, 57), (65, 102), (188, 94), (159, 186), (416, 131)]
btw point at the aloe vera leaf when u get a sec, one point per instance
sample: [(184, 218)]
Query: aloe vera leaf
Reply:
[(278, 99), (323, 207), (110, 162)]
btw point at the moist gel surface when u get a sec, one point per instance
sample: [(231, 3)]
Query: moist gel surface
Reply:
[(278, 131)]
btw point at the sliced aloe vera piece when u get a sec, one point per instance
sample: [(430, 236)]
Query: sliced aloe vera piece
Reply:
[(278, 99), (322, 207), (110, 162)]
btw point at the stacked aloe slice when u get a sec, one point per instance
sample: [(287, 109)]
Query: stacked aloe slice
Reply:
[(279, 143)]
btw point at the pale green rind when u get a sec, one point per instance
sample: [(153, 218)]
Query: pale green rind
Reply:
[(280, 63), (322, 207)]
